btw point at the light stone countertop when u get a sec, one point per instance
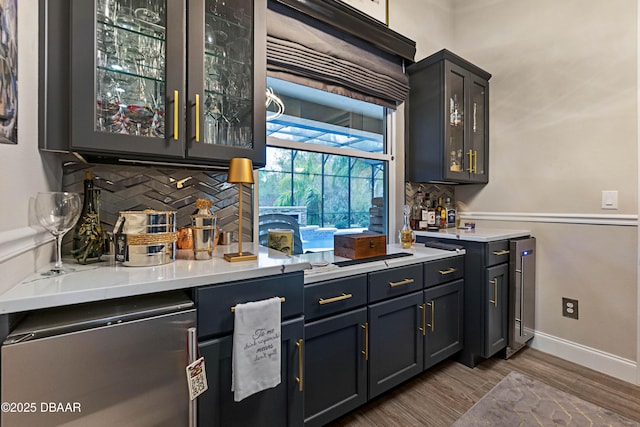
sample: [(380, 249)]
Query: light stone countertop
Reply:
[(475, 235), (106, 280)]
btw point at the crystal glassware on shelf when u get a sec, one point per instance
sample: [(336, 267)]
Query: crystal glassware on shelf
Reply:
[(57, 212)]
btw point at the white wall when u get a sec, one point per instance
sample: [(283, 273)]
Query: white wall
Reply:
[(24, 170)]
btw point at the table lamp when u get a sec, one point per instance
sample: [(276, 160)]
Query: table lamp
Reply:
[(240, 172)]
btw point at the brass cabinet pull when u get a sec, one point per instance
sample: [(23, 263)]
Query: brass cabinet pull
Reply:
[(233, 309), (495, 292), (400, 283), (448, 271), (175, 114), (475, 161), (342, 297), (470, 168), (365, 352), (431, 304), (423, 307), (502, 252), (299, 344), (197, 117)]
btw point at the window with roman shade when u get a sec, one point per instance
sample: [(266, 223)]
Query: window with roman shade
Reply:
[(308, 51)]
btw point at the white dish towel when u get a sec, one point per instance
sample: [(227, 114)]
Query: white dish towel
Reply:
[(256, 347)]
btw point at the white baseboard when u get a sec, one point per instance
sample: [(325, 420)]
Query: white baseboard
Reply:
[(592, 358)]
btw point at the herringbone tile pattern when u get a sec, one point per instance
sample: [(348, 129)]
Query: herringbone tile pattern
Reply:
[(126, 188)]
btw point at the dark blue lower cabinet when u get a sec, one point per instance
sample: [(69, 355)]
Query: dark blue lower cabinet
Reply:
[(395, 342), (444, 324), (278, 406), (496, 287), (335, 366)]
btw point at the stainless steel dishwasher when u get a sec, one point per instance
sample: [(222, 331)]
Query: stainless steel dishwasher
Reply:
[(522, 293), (111, 363)]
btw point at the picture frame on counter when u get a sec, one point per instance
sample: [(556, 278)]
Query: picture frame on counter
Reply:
[(377, 9)]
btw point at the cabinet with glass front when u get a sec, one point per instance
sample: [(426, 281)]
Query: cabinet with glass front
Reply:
[(168, 80), (448, 120)]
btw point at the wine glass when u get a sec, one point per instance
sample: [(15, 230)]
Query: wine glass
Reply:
[(57, 213)]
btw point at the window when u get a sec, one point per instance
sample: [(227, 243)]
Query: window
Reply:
[(327, 163)]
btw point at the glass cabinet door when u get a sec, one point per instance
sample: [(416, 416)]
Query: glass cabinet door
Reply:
[(226, 79), (477, 129), (127, 104), (456, 159)]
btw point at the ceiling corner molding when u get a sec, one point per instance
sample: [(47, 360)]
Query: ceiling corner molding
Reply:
[(564, 218), (351, 21), (16, 242)]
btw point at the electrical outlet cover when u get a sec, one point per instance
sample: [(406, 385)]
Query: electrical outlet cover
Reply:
[(570, 308)]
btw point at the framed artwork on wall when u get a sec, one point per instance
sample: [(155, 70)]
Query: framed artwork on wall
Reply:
[(9, 71), (377, 9)]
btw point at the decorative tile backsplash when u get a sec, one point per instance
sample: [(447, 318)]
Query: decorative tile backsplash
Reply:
[(432, 190), (125, 188)]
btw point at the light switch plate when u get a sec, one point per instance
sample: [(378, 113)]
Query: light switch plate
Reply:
[(610, 199)]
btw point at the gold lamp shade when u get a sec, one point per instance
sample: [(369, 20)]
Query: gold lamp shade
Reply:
[(240, 171)]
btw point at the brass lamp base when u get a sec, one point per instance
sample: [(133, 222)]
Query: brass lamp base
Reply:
[(240, 256)]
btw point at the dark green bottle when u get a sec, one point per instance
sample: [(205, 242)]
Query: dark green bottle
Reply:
[(88, 240)]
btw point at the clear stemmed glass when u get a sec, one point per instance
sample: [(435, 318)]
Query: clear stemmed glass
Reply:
[(58, 213)]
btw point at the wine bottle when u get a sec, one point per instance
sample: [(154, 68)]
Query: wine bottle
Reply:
[(88, 240)]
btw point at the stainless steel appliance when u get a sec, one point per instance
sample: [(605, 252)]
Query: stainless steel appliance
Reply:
[(522, 293), (111, 363)]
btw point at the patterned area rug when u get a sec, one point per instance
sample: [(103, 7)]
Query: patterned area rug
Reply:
[(518, 400)]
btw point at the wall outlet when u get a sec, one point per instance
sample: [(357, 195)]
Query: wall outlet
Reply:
[(570, 308)]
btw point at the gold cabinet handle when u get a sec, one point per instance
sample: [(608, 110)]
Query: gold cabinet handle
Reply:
[(197, 117), (365, 352), (423, 307), (400, 283), (495, 292), (448, 271), (342, 297), (502, 252), (299, 345), (175, 114), (282, 299), (432, 305), (475, 161), (470, 168)]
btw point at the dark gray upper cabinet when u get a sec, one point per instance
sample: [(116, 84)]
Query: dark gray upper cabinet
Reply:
[(447, 121), (161, 80)]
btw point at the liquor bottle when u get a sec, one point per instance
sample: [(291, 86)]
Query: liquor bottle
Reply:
[(406, 234), (451, 213), (88, 240), (441, 214), (416, 211), (432, 224)]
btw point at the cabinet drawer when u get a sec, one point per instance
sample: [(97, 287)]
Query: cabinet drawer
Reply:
[(333, 296), (394, 282), (443, 270), (497, 253), (214, 302)]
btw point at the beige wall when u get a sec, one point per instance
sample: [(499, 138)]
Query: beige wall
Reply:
[(24, 170), (563, 128)]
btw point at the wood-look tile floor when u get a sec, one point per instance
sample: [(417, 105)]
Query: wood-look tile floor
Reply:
[(442, 394)]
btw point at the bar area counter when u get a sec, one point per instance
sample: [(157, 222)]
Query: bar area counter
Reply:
[(108, 279)]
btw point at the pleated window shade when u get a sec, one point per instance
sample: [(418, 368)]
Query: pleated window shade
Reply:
[(303, 50)]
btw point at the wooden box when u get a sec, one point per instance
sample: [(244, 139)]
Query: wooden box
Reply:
[(359, 245)]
